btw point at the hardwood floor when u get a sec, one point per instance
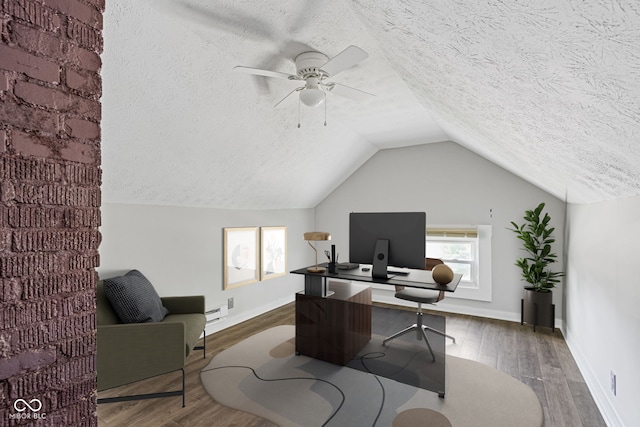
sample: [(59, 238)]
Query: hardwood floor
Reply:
[(201, 409), (541, 360)]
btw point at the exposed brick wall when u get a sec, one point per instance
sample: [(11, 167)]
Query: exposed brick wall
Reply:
[(50, 175)]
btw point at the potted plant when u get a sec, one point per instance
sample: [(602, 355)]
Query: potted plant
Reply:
[(537, 236)]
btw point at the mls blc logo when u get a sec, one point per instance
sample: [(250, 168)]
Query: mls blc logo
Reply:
[(33, 405)]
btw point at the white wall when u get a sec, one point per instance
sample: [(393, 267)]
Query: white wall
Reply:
[(453, 186), (180, 250), (602, 326)]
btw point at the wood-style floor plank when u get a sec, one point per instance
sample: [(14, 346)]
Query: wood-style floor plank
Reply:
[(508, 354), (539, 359), (528, 361), (587, 409), (562, 407)]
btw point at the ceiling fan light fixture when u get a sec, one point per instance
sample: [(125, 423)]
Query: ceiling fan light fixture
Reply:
[(312, 97), (314, 68)]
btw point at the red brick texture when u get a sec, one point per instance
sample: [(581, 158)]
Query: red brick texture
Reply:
[(50, 112)]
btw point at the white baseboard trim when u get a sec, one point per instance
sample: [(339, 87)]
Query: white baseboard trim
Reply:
[(600, 395), (229, 321), (448, 307)]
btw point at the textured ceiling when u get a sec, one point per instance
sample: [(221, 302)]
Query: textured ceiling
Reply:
[(549, 90)]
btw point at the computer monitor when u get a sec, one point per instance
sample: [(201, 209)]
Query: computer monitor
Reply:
[(387, 239)]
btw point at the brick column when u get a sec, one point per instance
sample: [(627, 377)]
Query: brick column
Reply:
[(50, 176)]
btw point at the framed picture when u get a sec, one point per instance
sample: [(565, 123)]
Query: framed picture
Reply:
[(240, 256), (273, 252)]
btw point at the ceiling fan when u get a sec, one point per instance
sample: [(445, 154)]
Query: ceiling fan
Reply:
[(315, 69)]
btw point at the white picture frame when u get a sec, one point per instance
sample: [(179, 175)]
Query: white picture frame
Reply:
[(273, 252), (241, 260)]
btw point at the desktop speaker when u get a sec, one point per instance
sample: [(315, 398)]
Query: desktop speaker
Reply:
[(442, 274)]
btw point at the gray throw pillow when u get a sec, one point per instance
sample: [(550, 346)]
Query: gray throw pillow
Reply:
[(134, 299)]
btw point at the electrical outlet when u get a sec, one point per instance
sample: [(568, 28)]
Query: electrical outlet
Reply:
[(230, 303), (612, 376)]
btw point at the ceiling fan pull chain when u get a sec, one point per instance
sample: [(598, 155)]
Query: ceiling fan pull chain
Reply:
[(325, 108), (298, 112)]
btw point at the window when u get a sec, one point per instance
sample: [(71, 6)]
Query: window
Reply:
[(458, 251), (467, 250)]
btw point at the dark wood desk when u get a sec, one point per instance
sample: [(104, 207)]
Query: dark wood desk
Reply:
[(415, 279), (334, 328), (333, 319)]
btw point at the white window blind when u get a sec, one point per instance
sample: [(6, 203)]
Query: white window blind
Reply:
[(452, 232)]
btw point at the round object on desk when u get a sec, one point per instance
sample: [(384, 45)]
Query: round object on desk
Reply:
[(442, 274)]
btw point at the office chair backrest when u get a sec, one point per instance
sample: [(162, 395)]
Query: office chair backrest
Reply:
[(429, 263)]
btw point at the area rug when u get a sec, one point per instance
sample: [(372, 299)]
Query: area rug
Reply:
[(263, 376), (404, 359)]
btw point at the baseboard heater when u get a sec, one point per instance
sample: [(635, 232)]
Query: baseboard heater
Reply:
[(216, 314)]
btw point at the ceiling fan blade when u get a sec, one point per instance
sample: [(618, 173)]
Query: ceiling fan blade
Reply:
[(220, 17), (288, 95), (345, 59), (265, 73), (348, 92)]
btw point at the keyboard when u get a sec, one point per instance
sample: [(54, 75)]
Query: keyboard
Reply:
[(347, 265)]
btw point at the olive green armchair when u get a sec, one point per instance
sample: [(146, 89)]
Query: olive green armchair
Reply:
[(129, 352)]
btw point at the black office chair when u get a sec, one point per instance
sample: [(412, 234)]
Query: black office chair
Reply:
[(421, 296)]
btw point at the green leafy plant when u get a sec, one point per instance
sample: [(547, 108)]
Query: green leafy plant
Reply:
[(537, 238)]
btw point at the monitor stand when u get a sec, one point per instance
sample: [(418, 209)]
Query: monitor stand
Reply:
[(380, 259)]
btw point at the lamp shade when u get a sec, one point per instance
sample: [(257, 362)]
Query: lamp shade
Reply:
[(312, 97), (317, 235)]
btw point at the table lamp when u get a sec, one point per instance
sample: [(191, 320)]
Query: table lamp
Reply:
[(316, 236)]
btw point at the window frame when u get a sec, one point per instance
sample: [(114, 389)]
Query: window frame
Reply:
[(480, 287), (472, 282)]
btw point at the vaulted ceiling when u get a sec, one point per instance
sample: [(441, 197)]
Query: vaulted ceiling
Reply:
[(548, 90)]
